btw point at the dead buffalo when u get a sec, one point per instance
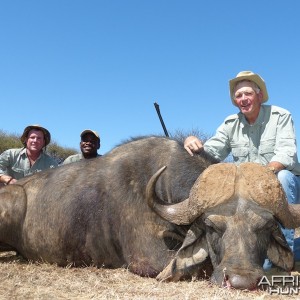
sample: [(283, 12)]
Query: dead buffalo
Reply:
[(113, 212), (234, 213), (95, 212)]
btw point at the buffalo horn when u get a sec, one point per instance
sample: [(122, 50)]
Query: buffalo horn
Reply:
[(261, 184), (175, 213)]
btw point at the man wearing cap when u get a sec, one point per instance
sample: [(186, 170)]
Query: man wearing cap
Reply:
[(18, 163), (259, 133), (89, 145)]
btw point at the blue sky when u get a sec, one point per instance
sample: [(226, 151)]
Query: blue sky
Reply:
[(70, 65)]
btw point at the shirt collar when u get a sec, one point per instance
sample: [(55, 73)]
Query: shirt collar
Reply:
[(259, 121), (23, 153)]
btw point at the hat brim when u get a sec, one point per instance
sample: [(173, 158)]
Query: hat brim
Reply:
[(256, 79), (47, 135), (90, 131)]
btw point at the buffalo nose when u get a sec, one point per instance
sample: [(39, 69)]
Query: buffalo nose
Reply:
[(242, 282)]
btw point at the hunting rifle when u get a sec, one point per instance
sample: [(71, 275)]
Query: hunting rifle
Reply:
[(161, 119)]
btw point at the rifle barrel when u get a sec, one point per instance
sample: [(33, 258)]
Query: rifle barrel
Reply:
[(161, 119)]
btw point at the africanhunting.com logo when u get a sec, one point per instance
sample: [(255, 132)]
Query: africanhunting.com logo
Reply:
[(280, 284)]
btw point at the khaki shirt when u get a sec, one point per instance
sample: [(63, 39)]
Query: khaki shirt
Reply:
[(271, 138), (74, 158), (15, 163)]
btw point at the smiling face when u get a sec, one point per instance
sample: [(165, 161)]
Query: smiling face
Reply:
[(248, 99), (89, 145), (35, 140)]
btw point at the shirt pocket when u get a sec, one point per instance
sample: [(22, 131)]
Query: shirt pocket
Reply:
[(18, 173), (240, 152), (266, 150)]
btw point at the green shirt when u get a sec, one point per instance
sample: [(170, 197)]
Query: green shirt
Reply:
[(15, 163), (74, 158), (271, 138)]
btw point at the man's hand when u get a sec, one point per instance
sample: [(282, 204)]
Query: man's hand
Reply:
[(276, 166), (6, 179), (193, 145)]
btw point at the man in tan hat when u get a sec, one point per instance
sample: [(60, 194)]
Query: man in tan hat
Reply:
[(259, 133), (17, 163), (89, 145)]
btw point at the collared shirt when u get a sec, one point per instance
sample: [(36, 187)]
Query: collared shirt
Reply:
[(271, 138), (15, 163), (74, 158)]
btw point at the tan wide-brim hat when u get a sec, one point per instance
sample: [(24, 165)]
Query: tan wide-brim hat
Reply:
[(95, 133), (47, 135), (248, 75)]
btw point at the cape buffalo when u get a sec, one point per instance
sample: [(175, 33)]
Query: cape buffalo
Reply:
[(113, 212), (94, 212)]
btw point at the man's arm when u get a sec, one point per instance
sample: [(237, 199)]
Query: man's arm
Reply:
[(285, 148), (4, 163)]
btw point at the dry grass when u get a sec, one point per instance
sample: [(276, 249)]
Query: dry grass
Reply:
[(23, 280)]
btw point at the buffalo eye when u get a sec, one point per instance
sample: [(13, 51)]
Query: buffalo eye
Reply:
[(217, 223), (265, 225)]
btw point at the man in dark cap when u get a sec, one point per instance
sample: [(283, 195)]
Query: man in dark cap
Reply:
[(18, 163), (89, 145)]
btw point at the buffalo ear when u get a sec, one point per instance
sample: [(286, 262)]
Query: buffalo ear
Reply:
[(279, 251), (189, 258)]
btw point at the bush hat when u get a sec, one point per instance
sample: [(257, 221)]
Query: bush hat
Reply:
[(47, 135), (95, 133), (248, 75)]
